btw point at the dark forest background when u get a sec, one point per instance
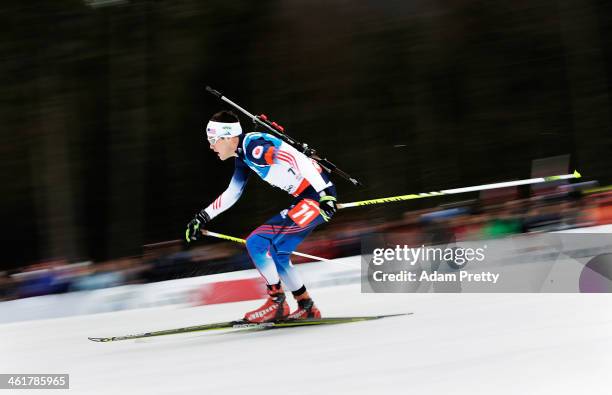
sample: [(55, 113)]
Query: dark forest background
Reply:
[(103, 106)]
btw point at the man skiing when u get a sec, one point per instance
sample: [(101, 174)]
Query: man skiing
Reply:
[(271, 244)]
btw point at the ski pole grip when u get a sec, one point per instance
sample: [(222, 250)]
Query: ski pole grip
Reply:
[(213, 91)]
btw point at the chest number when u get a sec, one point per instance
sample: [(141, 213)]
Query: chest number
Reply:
[(304, 212)]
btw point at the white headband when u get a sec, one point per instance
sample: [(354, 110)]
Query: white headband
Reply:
[(222, 129)]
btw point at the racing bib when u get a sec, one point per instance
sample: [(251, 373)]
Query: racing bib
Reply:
[(304, 212)]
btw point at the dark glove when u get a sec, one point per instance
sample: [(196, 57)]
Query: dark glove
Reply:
[(195, 226), (327, 206)]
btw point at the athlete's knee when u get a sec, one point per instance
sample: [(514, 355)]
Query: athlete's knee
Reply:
[(257, 244)]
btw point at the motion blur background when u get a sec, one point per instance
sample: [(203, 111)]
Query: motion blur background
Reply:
[(103, 111)]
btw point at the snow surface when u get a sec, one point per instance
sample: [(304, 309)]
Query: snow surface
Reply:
[(452, 344)]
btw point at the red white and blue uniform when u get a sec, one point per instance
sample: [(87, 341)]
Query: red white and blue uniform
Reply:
[(284, 167)]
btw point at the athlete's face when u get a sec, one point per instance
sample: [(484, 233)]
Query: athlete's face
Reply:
[(225, 148)]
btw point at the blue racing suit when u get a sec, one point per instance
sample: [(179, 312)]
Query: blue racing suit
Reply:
[(281, 165)]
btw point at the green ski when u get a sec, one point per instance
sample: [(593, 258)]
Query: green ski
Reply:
[(243, 325)]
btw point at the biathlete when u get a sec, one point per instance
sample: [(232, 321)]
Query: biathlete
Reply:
[(270, 245)]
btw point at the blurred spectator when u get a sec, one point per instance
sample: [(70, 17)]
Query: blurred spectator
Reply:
[(7, 287), (503, 223), (38, 279), (102, 275)]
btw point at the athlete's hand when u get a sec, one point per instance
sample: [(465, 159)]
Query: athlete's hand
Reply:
[(195, 226), (327, 207)]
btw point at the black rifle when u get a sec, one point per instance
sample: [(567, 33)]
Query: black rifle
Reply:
[(279, 131)]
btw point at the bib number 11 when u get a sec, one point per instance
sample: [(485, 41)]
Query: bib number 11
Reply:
[(304, 212)]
